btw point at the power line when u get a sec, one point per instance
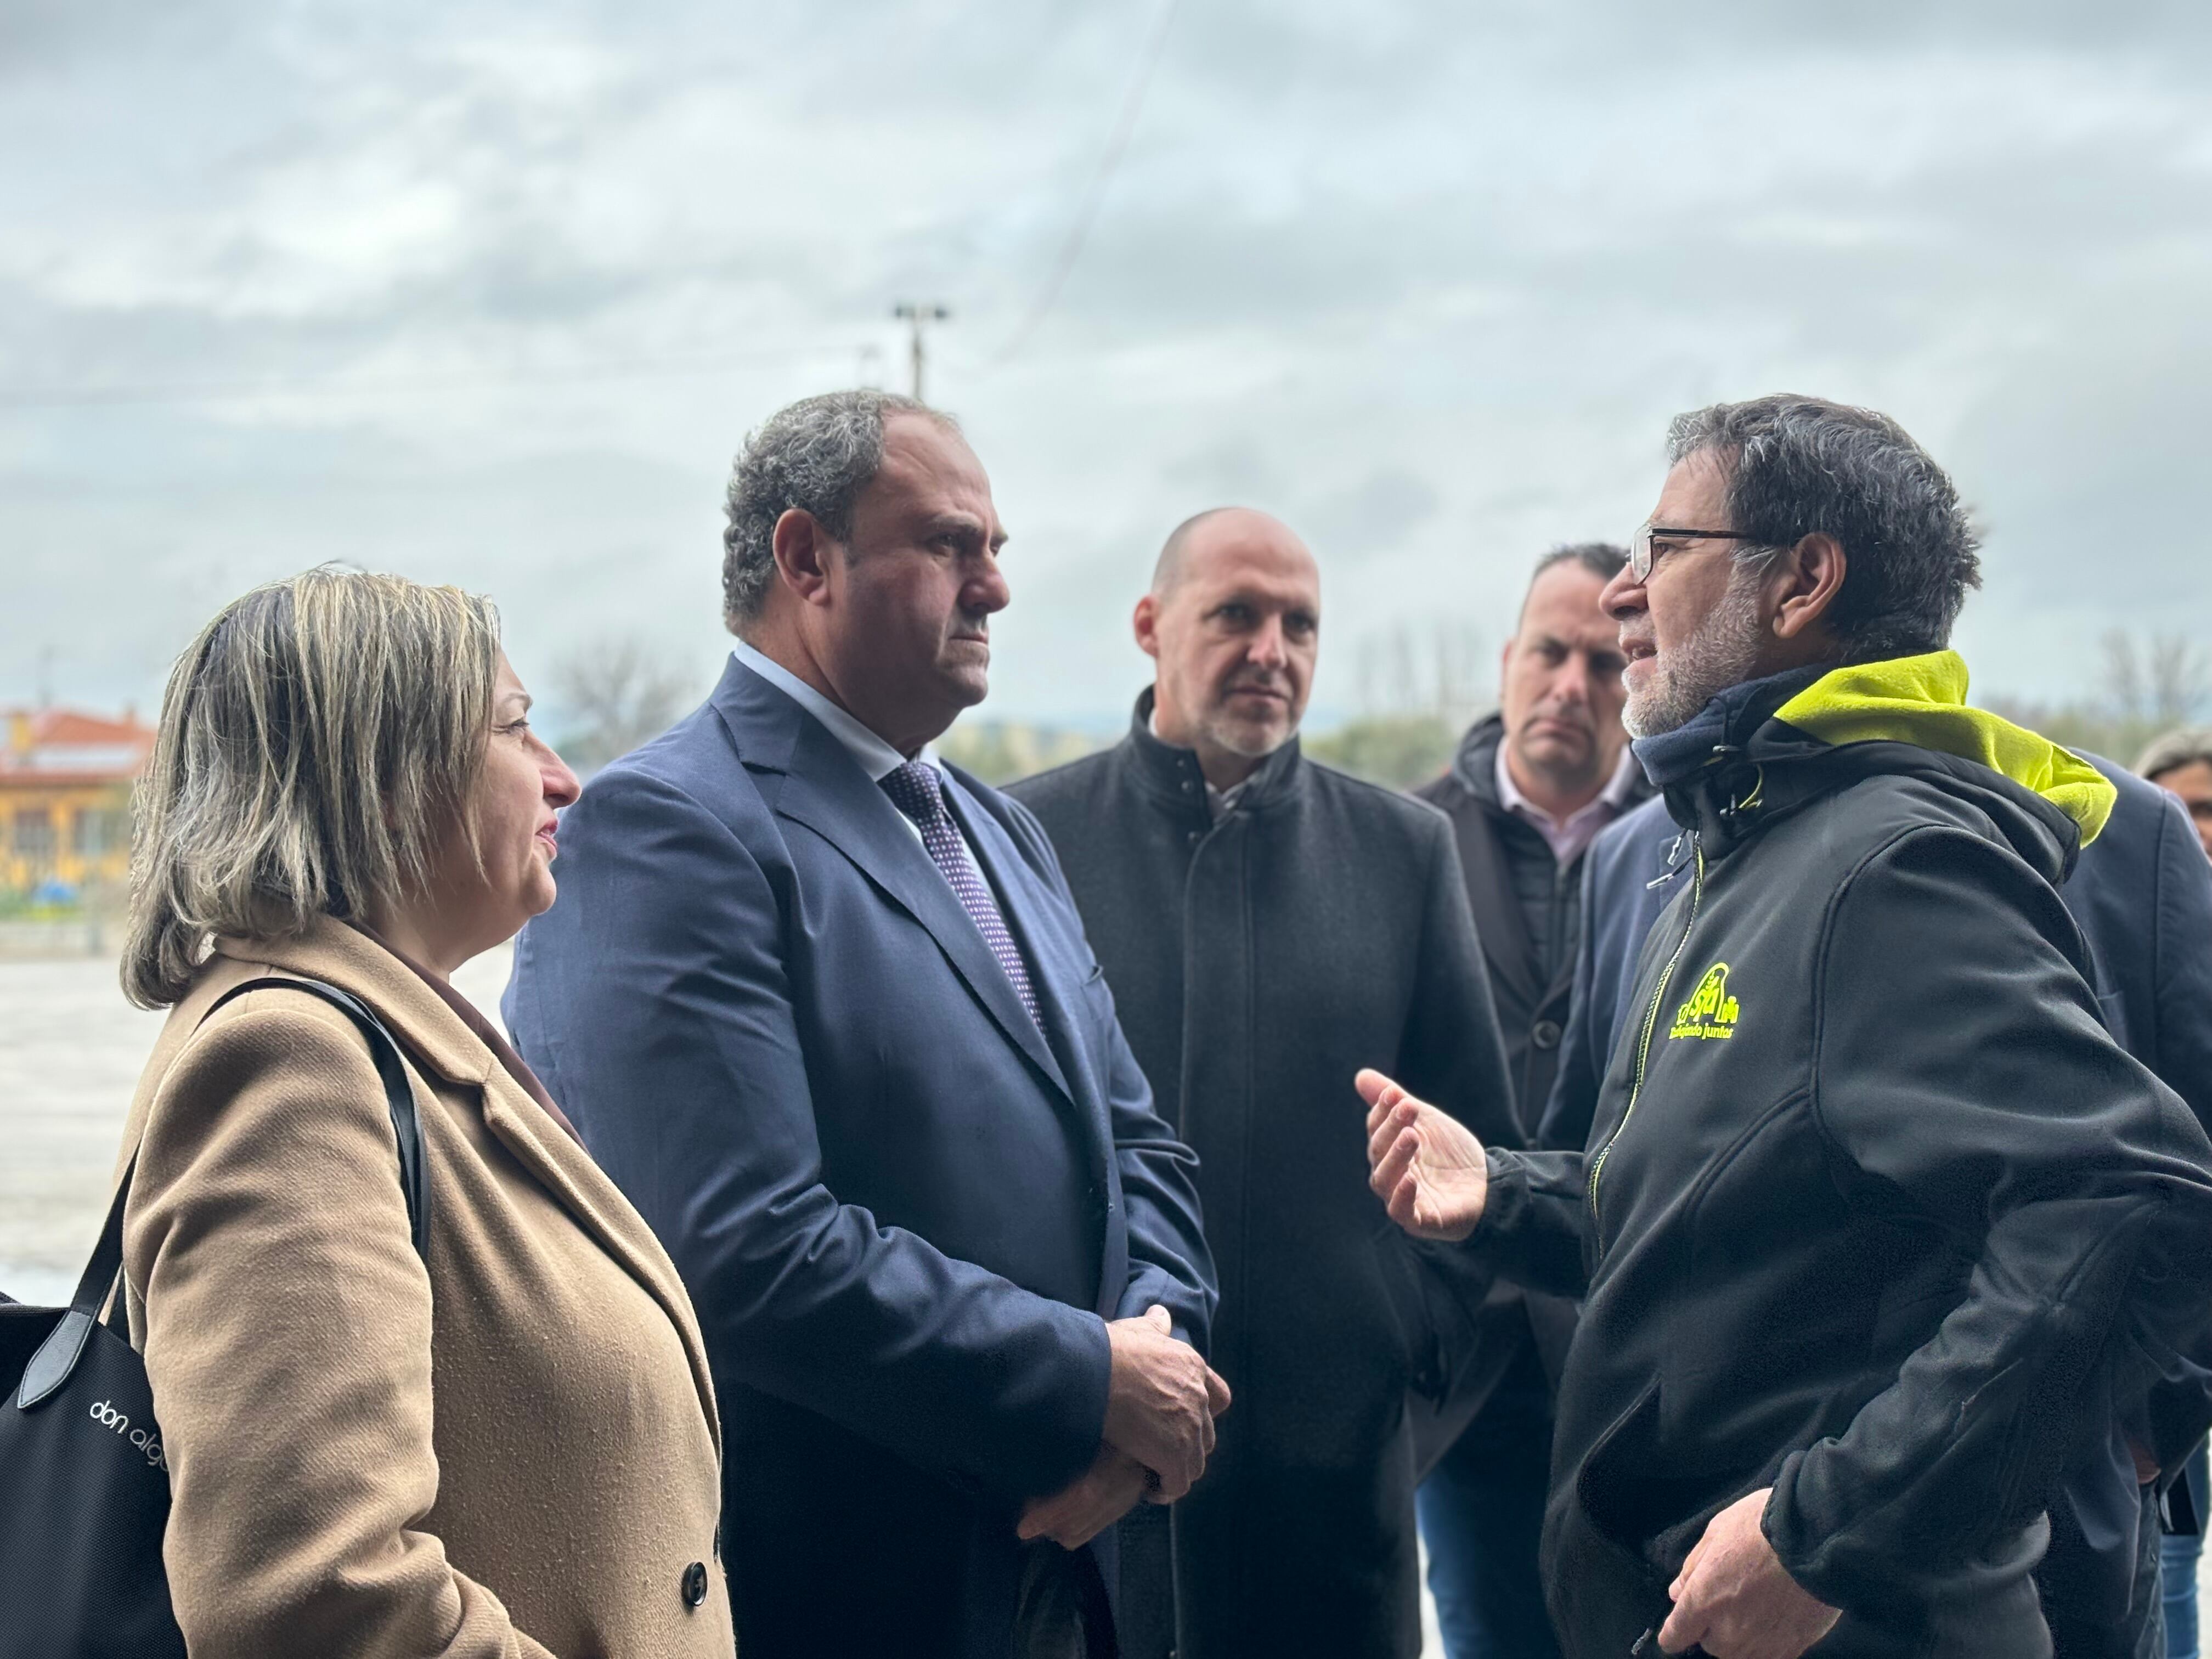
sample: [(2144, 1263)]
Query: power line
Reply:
[(226, 391), (1125, 126), (1133, 103)]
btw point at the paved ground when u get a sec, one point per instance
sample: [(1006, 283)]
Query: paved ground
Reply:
[(71, 1051)]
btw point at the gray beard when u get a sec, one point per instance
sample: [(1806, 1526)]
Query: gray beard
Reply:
[(1238, 738), (1723, 651)]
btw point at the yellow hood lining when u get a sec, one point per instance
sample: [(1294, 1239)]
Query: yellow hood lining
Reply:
[(1922, 700)]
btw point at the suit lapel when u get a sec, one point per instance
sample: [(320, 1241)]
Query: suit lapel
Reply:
[(1042, 948), (826, 790)]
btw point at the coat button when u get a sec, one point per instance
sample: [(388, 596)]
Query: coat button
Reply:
[(695, 1583), (1545, 1034)]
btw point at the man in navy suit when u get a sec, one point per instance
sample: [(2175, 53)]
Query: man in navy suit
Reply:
[(824, 1008)]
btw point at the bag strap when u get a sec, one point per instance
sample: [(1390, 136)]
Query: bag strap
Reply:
[(58, 1354), (398, 1095)]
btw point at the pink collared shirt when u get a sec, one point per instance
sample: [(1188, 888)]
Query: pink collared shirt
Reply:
[(1567, 837)]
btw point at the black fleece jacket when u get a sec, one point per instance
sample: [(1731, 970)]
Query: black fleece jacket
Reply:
[(1875, 1211)]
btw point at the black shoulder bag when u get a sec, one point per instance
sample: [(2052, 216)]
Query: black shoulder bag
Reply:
[(86, 1487)]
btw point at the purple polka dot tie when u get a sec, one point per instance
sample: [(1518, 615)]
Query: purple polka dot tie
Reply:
[(915, 790)]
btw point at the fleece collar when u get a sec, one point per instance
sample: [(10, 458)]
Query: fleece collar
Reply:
[(1718, 729), (1922, 701)]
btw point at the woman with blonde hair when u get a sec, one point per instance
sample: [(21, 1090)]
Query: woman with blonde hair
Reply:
[(495, 1437)]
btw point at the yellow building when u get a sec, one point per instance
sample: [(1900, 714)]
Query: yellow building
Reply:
[(65, 782)]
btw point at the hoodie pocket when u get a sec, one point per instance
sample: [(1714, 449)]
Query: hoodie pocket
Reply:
[(1623, 1489)]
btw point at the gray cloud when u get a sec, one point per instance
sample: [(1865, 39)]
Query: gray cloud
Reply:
[(1426, 280), (1373, 516)]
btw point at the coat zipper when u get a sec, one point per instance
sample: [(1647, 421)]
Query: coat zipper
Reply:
[(1650, 1024)]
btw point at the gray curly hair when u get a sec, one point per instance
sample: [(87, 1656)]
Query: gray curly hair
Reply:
[(1797, 465), (816, 455)]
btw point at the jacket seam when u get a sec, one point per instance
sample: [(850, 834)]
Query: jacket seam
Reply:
[(1751, 1132), (2155, 1044), (1428, 923), (1825, 946), (1816, 1563)]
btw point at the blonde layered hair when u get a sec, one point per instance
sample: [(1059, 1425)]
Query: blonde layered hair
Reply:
[(319, 741)]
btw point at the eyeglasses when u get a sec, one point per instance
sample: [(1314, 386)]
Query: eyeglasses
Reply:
[(1640, 556)]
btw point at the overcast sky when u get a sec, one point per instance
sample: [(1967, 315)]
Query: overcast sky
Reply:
[(1427, 280)]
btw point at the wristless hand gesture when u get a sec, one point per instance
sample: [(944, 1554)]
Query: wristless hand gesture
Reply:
[(1161, 1400), (1430, 1171), (1736, 1600), (1090, 1504)]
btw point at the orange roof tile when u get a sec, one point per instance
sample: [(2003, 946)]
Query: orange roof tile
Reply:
[(58, 745)]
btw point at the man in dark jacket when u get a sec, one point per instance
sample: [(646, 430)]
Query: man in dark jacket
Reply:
[(1267, 925), (1878, 1225), (1530, 787), (2142, 894)]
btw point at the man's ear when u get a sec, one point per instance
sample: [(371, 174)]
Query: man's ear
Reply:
[(1808, 577), (802, 547), (1145, 624)]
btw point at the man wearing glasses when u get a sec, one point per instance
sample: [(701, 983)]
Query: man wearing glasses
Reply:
[(1878, 1227)]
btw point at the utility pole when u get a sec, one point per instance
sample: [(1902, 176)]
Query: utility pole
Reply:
[(916, 316)]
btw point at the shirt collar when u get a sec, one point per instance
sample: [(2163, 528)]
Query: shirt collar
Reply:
[(876, 758), (1569, 835)]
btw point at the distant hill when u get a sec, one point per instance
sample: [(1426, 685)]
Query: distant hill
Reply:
[(999, 751), (1396, 750)]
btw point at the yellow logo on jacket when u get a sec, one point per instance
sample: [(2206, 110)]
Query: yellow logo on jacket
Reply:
[(1711, 1011)]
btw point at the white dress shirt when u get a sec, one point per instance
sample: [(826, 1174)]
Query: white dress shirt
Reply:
[(874, 756), (1568, 836)]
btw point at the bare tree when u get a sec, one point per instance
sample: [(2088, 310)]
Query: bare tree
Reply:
[(614, 694), (2159, 682), (1439, 672), (1419, 686), (2145, 686)]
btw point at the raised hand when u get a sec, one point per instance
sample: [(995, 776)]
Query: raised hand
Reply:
[(1161, 1400), (1735, 1599), (1430, 1173), (1088, 1504)]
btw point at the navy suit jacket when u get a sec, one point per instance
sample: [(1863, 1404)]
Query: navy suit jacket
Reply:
[(903, 1211), (2142, 895)]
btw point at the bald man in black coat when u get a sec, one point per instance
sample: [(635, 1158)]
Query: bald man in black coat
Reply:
[(1268, 927)]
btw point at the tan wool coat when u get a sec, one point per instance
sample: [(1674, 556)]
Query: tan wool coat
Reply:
[(514, 1452)]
